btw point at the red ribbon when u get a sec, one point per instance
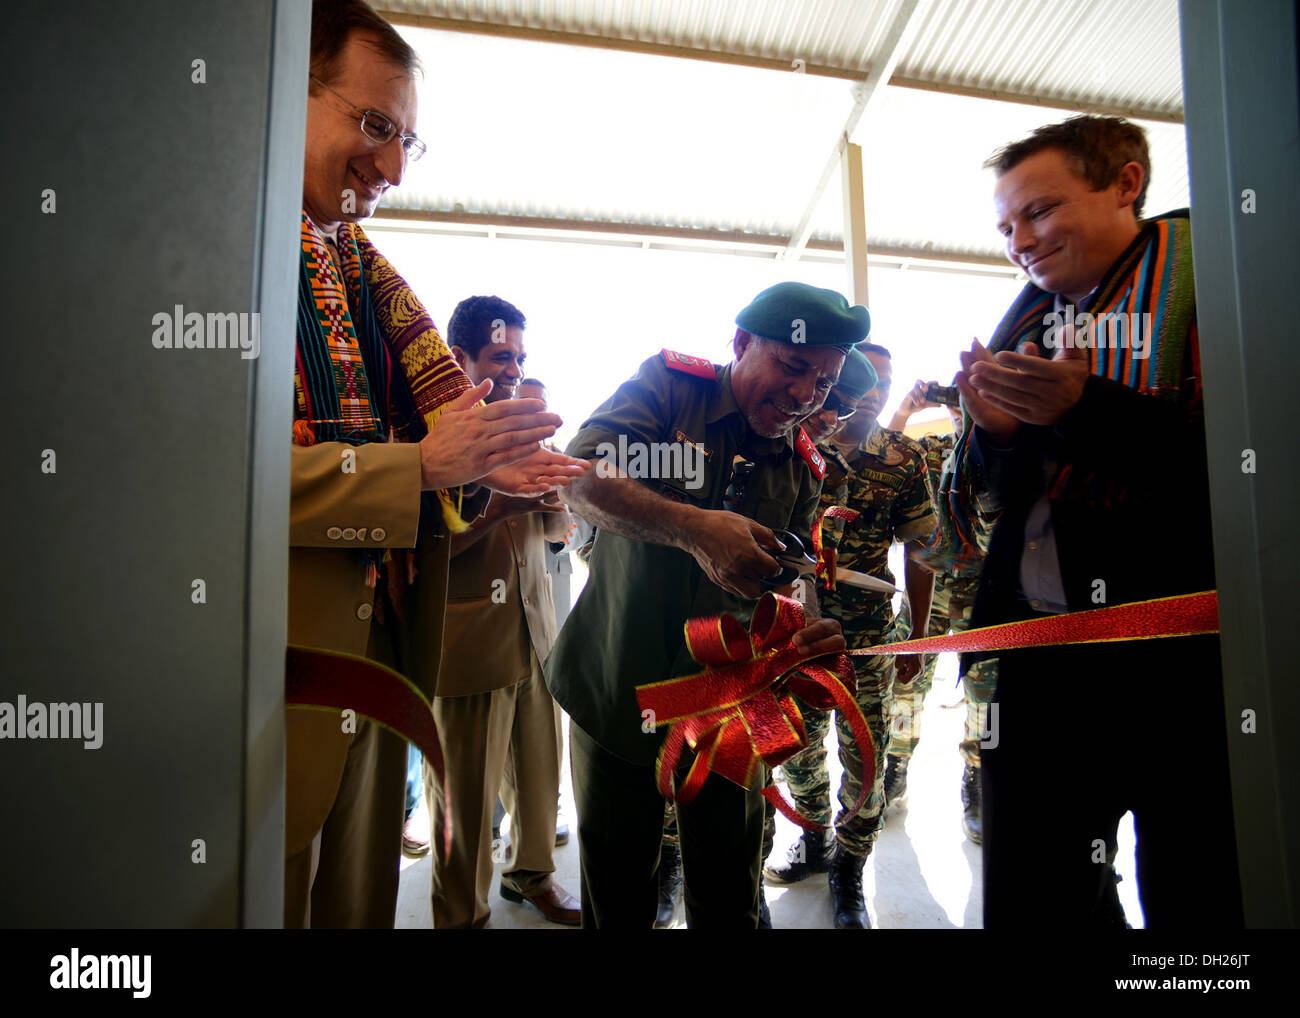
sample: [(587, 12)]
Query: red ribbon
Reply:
[(1181, 615), (740, 711), (826, 556), (325, 679)]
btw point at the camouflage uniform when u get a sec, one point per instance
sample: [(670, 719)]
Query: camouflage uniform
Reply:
[(954, 598), (887, 484), (670, 824)]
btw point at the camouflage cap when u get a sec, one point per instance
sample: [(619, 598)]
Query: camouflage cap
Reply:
[(857, 377), (799, 313)]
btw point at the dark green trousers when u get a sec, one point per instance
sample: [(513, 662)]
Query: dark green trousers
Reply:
[(620, 828)]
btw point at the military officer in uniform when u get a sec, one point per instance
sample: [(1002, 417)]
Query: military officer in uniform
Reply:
[(857, 378), (881, 474), (697, 538)]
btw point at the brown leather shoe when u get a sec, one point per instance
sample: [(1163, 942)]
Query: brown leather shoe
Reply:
[(415, 834), (557, 904)]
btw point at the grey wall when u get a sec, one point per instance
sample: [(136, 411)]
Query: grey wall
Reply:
[(168, 192), (1241, 86)]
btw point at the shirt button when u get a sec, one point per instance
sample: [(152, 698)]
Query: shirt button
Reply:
[(523, 562), (334, 533), (1036, 603), (1032, 546), (364, 611), (361, 533), (378, 534), (350, 534), (526, 601), (514, 523)]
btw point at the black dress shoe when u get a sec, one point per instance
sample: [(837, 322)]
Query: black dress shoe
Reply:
[(561, 834)]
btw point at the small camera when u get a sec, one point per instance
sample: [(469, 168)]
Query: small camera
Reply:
[(946, 395)]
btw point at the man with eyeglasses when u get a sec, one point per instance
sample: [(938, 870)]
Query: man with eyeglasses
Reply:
[(880, 474), (389, 436)]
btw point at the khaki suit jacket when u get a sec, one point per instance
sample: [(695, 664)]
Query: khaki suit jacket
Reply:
[(333, 516), (499, 606)]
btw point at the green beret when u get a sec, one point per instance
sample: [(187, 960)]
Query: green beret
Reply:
[(857, 377), (798, 313)]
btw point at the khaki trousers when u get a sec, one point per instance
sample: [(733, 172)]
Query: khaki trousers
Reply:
[(347, 877), (507, 741)]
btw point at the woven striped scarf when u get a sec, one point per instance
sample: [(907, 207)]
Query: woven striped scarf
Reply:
[(1153, 276), (344, 386)]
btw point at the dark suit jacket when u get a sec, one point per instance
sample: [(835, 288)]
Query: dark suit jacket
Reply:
[(1134, 510)]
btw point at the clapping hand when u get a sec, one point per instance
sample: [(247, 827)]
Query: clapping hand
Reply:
[(540, 472), (986, 414), (471, 439), (1027, 387)]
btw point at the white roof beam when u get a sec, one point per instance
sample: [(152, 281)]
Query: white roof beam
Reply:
[(897, 41)]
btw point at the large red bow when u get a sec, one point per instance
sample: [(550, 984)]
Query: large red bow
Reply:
[(740, 710)]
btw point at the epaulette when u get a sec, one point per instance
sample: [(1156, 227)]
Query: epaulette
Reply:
[(804, 446), (689, 365)]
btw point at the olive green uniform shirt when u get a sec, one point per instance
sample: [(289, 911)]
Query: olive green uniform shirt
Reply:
[(627, 627)]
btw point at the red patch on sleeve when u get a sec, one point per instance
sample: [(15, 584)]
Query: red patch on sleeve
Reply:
[(689, 365), (816, 462)]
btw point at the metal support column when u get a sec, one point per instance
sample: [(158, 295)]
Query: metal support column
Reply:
[(1240, 90), (855, 219)]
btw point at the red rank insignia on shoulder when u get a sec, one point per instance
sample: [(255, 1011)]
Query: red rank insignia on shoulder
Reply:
[(816, 462), (689, 365)]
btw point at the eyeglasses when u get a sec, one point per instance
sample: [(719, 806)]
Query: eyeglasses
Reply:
[(843, 410), (378, 128)]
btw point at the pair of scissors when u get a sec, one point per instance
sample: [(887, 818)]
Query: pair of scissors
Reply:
[(794, 561)]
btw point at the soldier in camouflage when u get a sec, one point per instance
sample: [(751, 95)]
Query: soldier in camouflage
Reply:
[(882, 475), (954, 598)]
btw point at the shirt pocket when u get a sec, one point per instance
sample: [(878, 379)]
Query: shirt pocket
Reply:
[(683, 472), (773, 513), (771, 498)]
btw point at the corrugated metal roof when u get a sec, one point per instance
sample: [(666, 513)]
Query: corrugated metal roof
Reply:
[(1108, 52), (1118, 54), (522, 132), (841, 33)]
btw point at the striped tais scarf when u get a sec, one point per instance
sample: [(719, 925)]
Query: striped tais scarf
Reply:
[(344, 386), (1153, 277)]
